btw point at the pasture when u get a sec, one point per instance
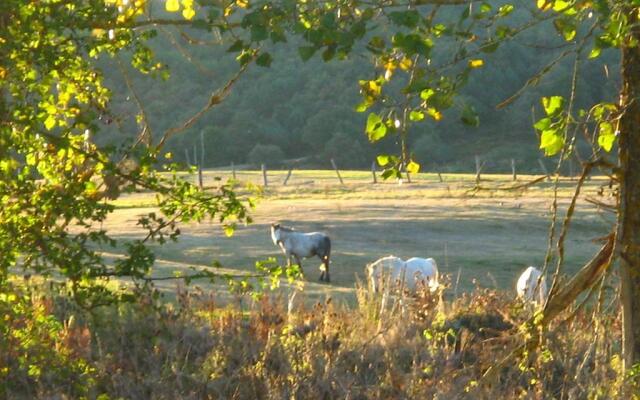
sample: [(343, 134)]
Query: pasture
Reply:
[(479, 238)]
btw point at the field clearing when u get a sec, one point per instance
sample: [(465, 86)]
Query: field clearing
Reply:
[(486, 236)]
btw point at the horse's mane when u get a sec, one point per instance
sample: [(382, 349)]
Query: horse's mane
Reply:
[(286, 228)]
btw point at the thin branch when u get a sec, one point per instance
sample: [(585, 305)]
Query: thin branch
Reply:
[(534, 79), (145, 135), (216, 98), (513, 187), (601, 204), (184, 51)]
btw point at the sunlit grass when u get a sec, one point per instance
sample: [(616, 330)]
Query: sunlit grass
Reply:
[(487, 235)]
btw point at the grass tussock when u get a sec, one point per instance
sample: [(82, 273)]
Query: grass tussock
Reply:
[(280, 347)]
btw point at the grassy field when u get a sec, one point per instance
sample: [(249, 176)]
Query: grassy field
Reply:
[(484, 237)]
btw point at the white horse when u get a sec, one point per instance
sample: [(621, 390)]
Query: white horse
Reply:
[(528, 288), (408, 273), (303, 245)]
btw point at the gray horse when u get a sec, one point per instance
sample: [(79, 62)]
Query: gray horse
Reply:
[(303, 245)]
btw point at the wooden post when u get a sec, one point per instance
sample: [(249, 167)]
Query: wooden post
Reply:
[(544, 169), (288, 176), (513, 169), (264, 175), (201, 163), (233, 170), (201, 149), (373, 171), (333, 163), (195, 155), (478, 168), (570, 168), (186, 154)]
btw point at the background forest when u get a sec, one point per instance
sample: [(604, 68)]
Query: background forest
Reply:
[(296, 109)]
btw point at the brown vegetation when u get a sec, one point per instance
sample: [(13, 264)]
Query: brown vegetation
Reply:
[(280, 347)]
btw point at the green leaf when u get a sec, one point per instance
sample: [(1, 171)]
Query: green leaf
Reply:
[(236, 46), (362, 107), (606, 136), (552, 104), (413, 167), (470, 116), (490, 46), (416, 115), (383, 159), (306, 52), (505, 10), (408, 18), (543, 124), (264, 60), (551, 142), (259, 33), (376, 129), (566, 27), (426, 94), (50, 122), (229, 230)]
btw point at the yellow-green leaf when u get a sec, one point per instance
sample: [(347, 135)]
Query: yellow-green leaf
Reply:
[(551, 142), (416, 115), (435, 114), (426, 94), (606, 136), (552, 104), (544, 5), (376, 129), (383, 159), (477, 63), (413, 167), (188, 13), (172, 5), (50, 122)]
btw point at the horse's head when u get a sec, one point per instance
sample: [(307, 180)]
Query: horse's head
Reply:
[(275, 233)]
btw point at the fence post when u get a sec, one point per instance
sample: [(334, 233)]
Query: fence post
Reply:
[(478, 168), (264, 175), (288, 176), (195, 155), (571, 168), (513, 169), (186, 154), (544, 169), (333, 163), (201, 149), (373, 171), (233, 170)]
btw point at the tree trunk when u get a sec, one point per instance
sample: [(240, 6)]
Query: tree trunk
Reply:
[(629, 207)]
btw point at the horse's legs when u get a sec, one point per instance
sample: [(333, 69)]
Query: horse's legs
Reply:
[(326, 267), (324, 276), (299, 263)]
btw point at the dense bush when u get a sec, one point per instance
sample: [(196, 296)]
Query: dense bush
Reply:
[(384, 347)]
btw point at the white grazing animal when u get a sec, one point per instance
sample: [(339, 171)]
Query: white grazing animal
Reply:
[(422, 270), (528, 288), (408, 273)]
